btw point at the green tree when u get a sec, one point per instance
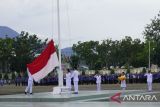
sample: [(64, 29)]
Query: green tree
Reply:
[(139, 54), (74, 60), (0, 76), (126, 49), (98, 65), (26, 48), (6, 53), (104, 50), (152, 34), (6, 76), (87, 51), (13, 76), (144, 70), (112, 53)]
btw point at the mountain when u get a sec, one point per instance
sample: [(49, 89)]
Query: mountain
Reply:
[(67, 51), (4, 30)]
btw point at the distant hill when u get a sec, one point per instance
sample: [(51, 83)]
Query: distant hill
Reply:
[(67, 51), (4, 30)]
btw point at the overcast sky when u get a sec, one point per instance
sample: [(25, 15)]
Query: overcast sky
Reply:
[(81, 20)]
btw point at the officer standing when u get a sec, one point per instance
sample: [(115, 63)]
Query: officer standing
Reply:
[(149, 80), (68, 79), (75, 80), (30, 83), (98, 81)]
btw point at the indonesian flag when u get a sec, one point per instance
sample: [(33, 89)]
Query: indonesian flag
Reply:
[(44, 63)]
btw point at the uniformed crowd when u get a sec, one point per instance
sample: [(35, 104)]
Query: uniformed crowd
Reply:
[(106, 79), (85, 79), (73, 78)]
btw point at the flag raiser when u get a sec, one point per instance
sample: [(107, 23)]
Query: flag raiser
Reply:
[(44, 63)]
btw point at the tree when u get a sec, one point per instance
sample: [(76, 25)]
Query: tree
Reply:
[(6, 76), (139, 53), (115, 54), (112, 53), (104, 50), (98, 65), (13, 76), (26, 48), (152, 34), (152, 30), (126, 49), (6, 53), (144, 70), (74, 60), (87, 51), (0, 76)]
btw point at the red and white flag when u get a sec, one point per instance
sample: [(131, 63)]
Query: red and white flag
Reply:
[(44, 63)]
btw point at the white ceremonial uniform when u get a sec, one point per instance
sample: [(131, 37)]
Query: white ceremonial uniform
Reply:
[(75, 80), (98, 82), (30, 84), (123, 84), (149, 81), (68, 80)]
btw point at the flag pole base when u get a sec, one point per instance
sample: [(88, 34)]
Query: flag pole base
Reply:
[(61, 90)]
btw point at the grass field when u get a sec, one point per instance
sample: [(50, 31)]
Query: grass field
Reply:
[(12, 89)]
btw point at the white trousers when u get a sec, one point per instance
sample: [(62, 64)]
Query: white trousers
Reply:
[(75, 86), (149, 84), (98, 86), (68, 84), (29, 87)]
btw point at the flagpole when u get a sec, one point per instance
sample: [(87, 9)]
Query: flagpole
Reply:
[(149, 57), (60, 72)]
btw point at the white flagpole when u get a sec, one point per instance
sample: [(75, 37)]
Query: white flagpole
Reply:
[(149, 56), (60, 72)]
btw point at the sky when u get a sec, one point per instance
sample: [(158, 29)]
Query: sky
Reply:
[(81, 20)]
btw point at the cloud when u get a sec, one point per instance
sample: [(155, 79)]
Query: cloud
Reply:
[(81, 20)]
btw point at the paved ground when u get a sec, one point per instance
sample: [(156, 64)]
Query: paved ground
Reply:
[(12, 89), (66, 97), (80, 104)]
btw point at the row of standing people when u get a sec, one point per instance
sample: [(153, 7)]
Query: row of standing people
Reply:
[(85, 79), (148, 75), (98, 78), (75, 75), (121, 78)]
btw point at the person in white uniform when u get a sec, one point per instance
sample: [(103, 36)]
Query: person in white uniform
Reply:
[(30, 84), (149, 80), (68, 79), (75, 75), (98, 81)]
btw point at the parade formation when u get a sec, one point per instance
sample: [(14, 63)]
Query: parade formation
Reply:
[(67, 53)]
